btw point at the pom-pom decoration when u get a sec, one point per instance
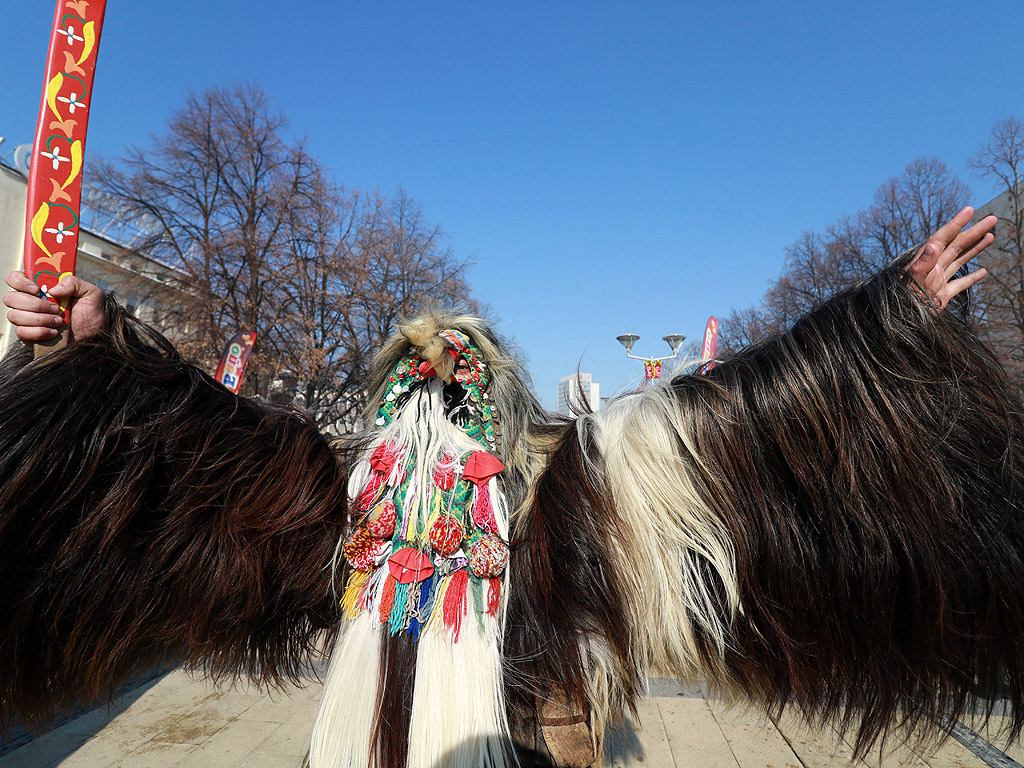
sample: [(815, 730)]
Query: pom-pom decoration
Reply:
[(362, 550), (489, 556), (446, 535), (382, 520)]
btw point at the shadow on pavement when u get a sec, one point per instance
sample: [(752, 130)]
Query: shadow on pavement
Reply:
[(123, 698)]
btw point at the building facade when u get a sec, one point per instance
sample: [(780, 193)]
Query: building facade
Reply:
[(577, 394), (140, 283)]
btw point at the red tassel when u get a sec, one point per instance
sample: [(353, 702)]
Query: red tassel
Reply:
[(483, 512), (454, 607), (369, 494), (444, 473), (387, 599), (493, 596)]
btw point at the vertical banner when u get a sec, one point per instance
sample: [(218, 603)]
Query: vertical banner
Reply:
[(233, 360), (710, 348), (652, 369), (55, 174)]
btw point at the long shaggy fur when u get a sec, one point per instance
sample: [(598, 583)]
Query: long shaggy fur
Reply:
[(350, 701), (453, 719), (566, 620), (832, 520), (147, 515)]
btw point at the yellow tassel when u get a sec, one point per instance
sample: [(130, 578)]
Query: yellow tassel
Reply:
[(442, 590), (356, 582), (437, 508)]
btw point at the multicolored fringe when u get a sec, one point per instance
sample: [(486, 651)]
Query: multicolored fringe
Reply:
[(434, 532), (428, 550)]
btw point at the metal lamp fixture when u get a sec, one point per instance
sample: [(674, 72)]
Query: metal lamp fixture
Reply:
[(628, 340), (674, 341)]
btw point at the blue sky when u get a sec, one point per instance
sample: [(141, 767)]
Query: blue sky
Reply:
[(609, 167)]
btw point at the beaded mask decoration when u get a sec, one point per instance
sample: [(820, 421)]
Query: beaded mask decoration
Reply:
[(431, 526)]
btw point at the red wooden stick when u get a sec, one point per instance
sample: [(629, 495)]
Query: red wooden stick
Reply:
[(55, 175)]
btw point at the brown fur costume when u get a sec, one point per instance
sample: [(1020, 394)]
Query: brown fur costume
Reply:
[(831, 520)]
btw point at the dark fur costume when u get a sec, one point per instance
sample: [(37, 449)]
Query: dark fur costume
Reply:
[(831, 520), (867, 470), (149, 515)]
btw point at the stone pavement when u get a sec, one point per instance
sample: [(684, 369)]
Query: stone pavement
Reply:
[(181, 721)]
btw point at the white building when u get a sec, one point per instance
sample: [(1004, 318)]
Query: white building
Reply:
[(140, 283), (578, 393)]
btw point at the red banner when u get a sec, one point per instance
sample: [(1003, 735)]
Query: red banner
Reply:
[(710, 348), (235, 357), (55, 174), (652, 369)]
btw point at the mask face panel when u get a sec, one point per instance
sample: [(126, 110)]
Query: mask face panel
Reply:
[(466, 395)]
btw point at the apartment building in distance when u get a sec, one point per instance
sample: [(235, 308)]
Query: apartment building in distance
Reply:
[(578, 393)]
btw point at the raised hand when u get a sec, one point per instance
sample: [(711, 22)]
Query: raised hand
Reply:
[(37, 319), (946, 251)]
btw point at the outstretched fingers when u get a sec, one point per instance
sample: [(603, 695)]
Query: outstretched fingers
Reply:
[(969, 244), (951, 230), (961, 284), (951, 247)]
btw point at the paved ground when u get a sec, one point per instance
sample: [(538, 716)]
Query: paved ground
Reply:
[(180, 721)]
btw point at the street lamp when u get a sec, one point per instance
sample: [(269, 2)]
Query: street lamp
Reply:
[(652, 365), (627, 340)]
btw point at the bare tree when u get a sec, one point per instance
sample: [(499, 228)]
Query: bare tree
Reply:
[(268, 242), (1000, 160), (743, 327), (219, 185), (363, 262), (906, 209), (909, 207)]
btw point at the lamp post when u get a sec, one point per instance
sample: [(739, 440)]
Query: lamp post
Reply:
[(652, 365)]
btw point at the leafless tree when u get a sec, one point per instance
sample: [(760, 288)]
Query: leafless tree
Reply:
[(363, 262), (268, 242), (219, 185), (906, 209), (909, 207), (1000, 160)]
